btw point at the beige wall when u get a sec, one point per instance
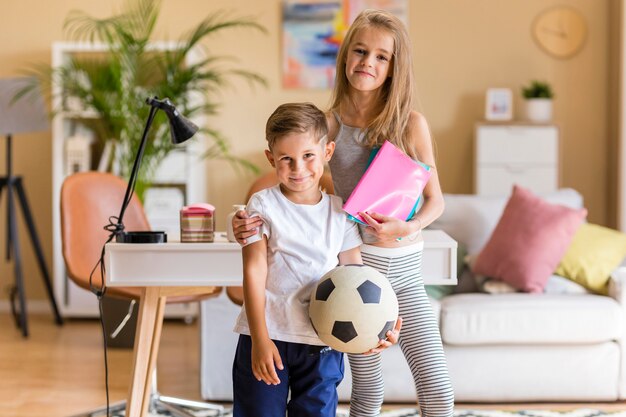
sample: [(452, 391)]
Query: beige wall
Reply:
[(460, 49)]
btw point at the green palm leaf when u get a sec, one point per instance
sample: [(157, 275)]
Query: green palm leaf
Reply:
[(115, 84)]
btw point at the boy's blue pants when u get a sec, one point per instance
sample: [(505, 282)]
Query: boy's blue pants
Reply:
[(312, 373)]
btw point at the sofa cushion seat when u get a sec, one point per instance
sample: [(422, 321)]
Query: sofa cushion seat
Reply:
[(518, 318)]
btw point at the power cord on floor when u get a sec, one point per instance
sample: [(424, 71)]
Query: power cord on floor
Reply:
[(106, 361), (114, 228)]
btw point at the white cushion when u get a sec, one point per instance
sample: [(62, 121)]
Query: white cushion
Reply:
[(478, 319), (501, 374), (470, 219), (557, 284)]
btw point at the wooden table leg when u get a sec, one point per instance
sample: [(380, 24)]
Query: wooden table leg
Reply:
[(150, 321)]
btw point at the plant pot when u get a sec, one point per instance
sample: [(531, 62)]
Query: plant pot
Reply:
[(539, 109)]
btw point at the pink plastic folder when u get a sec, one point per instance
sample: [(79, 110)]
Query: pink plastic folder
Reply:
[(391, 185)]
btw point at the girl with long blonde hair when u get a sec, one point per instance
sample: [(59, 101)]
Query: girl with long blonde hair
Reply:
[(372, 102)]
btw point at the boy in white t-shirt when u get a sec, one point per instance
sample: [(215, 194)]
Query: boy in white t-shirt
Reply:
[(304, 235)]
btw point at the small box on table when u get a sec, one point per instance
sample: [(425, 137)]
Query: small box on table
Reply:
[(197, 223)]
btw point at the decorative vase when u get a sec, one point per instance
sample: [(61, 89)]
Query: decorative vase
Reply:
[(539, 109)]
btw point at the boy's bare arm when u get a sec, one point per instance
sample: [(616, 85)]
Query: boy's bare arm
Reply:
[(264, 352), (254, 277)]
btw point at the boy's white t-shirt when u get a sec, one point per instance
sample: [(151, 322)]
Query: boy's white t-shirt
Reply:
[(303, 242)]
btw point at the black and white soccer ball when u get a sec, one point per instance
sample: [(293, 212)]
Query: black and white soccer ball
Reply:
[(352, 308)]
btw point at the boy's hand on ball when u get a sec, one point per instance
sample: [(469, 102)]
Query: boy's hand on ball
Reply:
[(244, 226), (393, 335), (263, 359), (392, 339)]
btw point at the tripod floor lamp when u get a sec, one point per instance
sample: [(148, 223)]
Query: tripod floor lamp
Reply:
[(22, 116)]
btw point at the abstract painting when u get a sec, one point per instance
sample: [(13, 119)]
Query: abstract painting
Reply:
[(312, 33)]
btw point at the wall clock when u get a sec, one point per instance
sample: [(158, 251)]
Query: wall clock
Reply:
[(560, 31)]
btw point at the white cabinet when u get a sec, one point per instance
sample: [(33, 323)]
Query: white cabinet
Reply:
[(181, 179), (522, 154)]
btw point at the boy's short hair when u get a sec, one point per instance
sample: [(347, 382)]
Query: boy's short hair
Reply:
[(295, 118)]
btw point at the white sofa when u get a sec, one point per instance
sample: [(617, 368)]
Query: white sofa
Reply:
[(563, 345)]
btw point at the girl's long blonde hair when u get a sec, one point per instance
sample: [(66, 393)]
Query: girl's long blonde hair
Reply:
[(397, 92)]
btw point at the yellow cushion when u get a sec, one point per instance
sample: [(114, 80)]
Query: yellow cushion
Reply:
[(593, 254)]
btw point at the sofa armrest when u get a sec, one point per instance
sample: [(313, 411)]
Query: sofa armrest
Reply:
[(617, 285)]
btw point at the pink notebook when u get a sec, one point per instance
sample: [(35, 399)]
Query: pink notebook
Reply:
[(392, 185)]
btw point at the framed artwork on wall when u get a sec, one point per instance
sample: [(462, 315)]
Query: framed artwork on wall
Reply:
[(499, 104), (312, 33)]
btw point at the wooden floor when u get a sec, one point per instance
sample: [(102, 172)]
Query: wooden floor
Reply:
[(59, 371)]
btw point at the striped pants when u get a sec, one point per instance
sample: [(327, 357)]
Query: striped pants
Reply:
[(419, 340)]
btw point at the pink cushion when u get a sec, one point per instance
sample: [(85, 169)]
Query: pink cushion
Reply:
[(529, 241)]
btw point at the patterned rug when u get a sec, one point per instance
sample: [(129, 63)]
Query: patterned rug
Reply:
[(412, 412)]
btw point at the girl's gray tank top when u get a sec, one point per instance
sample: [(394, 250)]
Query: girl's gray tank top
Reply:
[(349, 161)]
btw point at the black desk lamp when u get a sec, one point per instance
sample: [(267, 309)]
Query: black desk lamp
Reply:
[(181, 129), (21, 116)]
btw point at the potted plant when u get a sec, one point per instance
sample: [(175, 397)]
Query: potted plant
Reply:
[(538, 96), (115, 84)]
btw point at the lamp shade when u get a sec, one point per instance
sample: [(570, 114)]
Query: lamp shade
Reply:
[(181, 128)]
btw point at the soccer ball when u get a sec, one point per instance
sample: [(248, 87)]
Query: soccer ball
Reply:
[(352, 308)]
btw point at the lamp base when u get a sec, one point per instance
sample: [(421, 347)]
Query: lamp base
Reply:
[(141, 237)]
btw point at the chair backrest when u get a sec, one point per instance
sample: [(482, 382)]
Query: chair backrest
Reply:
[(87, 201)]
